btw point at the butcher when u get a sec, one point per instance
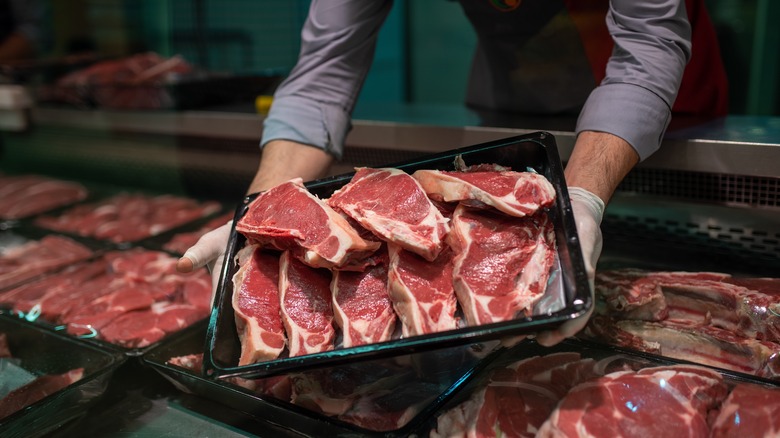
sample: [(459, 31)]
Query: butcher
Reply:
[(623, 80)]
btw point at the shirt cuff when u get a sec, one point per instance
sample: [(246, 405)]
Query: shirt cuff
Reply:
[(628, 111), (309, 122)]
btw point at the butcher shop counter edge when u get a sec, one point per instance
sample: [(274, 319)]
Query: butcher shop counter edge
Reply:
[(737, 145)]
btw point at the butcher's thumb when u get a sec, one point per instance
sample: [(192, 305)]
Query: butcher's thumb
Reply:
[(206, 251)]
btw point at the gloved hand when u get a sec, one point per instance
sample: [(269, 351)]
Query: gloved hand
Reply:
[(588, 211), (209, 251)]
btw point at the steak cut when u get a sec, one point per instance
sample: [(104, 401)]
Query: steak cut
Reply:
[(502, 263), (422, 292), (362, 306), (306, 309), (706, 298), (514, 193), (651, 402), (750, 411), (684, 340), (517, 399), (256, 306), (36, 390), (27, 195), (140, 328), (288, 217), (24, 262), (392, 205)]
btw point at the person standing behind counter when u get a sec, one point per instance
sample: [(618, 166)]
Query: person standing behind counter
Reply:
[(525, 62)]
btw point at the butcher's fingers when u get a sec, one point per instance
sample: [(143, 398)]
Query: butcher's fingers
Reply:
[(206, 251), (588, 210)]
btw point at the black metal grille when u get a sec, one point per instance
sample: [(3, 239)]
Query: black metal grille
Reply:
[(701, 186)]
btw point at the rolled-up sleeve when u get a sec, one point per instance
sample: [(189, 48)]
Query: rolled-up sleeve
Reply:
[(652, 46), (314, 104)]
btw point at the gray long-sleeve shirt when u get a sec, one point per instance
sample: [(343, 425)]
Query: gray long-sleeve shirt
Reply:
[(652, 46)]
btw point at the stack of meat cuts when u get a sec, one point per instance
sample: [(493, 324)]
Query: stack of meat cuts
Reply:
[(17, 398), (390, 254), (35, 257), (709, 318), (22, 196), (135, 82), (566, 395), (128, 217), (129, 298)]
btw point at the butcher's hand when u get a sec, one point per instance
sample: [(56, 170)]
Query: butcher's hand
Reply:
[(588, 211), (209, 251)]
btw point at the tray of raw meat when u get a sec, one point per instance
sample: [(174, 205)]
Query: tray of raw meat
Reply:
[(23, 196), (582, 389), (458, 248), (26, 254), (47, 378), (378, 397), (128, 217), (124, 300)]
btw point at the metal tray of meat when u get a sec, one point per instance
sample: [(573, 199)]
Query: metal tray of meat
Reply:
[(567, 294), (37, 352), (517, 393), (391, 397)]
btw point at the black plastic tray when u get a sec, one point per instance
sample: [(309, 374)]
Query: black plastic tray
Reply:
[(44, 352), (438, 375), (537, 152)]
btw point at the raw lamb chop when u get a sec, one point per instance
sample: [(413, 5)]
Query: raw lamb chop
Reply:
[(288, 217), (422, 292), (502, 263), (652, 402), (362, 306), (514, 193), (392, 205), (256, 306), (750, 411), (306, 306)]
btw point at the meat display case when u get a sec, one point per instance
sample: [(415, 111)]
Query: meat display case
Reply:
[(713, 190)]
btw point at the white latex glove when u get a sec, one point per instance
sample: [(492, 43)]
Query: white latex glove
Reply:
[(588, 211), (209, 251)]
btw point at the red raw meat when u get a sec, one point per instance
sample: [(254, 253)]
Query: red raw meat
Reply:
[(26, 195), (422, 292), (652, 402), (34, 258), (514, 193), (27, 296), (361, 305), (306, 307), (684, 340), (706, 298), (750, 411), (36, 390), (517, 399), (192, 362), (128, 217), (288, 217), (101, 311), (502, 263), (257, 307), (402, 215), (141, 328)]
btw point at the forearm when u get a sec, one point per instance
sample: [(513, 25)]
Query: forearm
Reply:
[(283, 160), (599, 162)]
